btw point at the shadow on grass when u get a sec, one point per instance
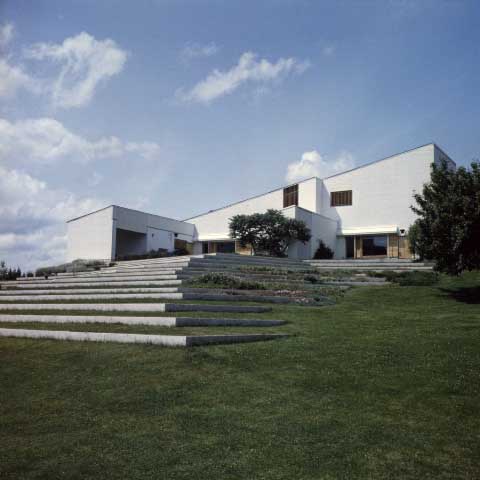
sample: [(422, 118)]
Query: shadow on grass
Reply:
[(469, 295)]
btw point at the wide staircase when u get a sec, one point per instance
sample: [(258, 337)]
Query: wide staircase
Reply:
[(157, 293)]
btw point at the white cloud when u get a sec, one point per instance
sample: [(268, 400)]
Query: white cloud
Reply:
[(248, 69), (47, 141), (32, 219), (13, 78), (313, 164), (6, 34), (84, 63), (196, 50)]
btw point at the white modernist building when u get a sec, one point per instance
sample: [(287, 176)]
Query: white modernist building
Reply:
[(363, 212)]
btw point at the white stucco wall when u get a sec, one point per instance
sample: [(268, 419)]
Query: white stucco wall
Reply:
[(382, 192), (94, 236), (159, 239), (214, 225), (90, 236), (321, 228), (159, 231)]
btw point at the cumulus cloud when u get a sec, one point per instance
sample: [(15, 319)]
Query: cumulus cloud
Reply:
[(6, 34), (84, 64), (47, 141), (195, 50), (32, 219), (13, 78), (248, 69), (313, 164)]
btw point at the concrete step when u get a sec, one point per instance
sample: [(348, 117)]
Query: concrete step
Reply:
[(100, 274), (162, 340), (154, 321), (134, 307), (149, 296), (369, 264), (113, 284), (83, 291), (376, 268), (253, 258), (98, 278)]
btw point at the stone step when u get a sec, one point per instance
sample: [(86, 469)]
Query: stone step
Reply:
[(376, 268), (99, 274), (114, 284), (162, 261), (369, 264), (154, 321), (134, 307), (162, 340), (73, 291), (99, 278), (149, 296), (252, 258)]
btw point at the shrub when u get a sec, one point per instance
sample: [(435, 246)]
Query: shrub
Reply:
[(410, 279), (323, 252), (221, 280)]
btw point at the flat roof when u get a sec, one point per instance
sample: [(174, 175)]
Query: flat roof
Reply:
[(124, 208), (388, 158)]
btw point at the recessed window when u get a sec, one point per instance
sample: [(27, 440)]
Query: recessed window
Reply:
[(290, 196), (374, 246), (341, 199)]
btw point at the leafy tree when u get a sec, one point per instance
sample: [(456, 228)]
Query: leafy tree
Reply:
[(413, 239), (448, 228), (9, 273), (270, 231)]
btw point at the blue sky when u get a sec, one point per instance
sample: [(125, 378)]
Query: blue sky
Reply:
[(107, 102)]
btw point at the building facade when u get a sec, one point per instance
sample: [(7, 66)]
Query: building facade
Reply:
[(364, 212)]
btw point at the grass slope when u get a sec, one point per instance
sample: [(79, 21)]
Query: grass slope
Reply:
[(383, 385)]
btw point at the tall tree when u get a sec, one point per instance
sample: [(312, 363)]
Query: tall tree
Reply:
[(448, 227), (270, 231)]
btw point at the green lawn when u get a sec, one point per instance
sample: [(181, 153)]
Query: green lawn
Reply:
[(386, 384)]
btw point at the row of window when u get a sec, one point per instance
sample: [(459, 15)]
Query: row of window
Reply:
[(337, 199)]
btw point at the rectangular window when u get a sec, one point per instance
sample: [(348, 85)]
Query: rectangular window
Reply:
[(290, 196), (374, 246), (341, 199)]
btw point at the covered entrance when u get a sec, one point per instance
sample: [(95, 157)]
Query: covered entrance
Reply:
[(218, 247), (377, 246)]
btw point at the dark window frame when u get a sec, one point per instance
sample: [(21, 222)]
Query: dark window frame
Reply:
[(290, 196), (341, 198)]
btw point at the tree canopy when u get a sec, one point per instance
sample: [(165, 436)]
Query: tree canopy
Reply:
[(448, 228), (270, 231)]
